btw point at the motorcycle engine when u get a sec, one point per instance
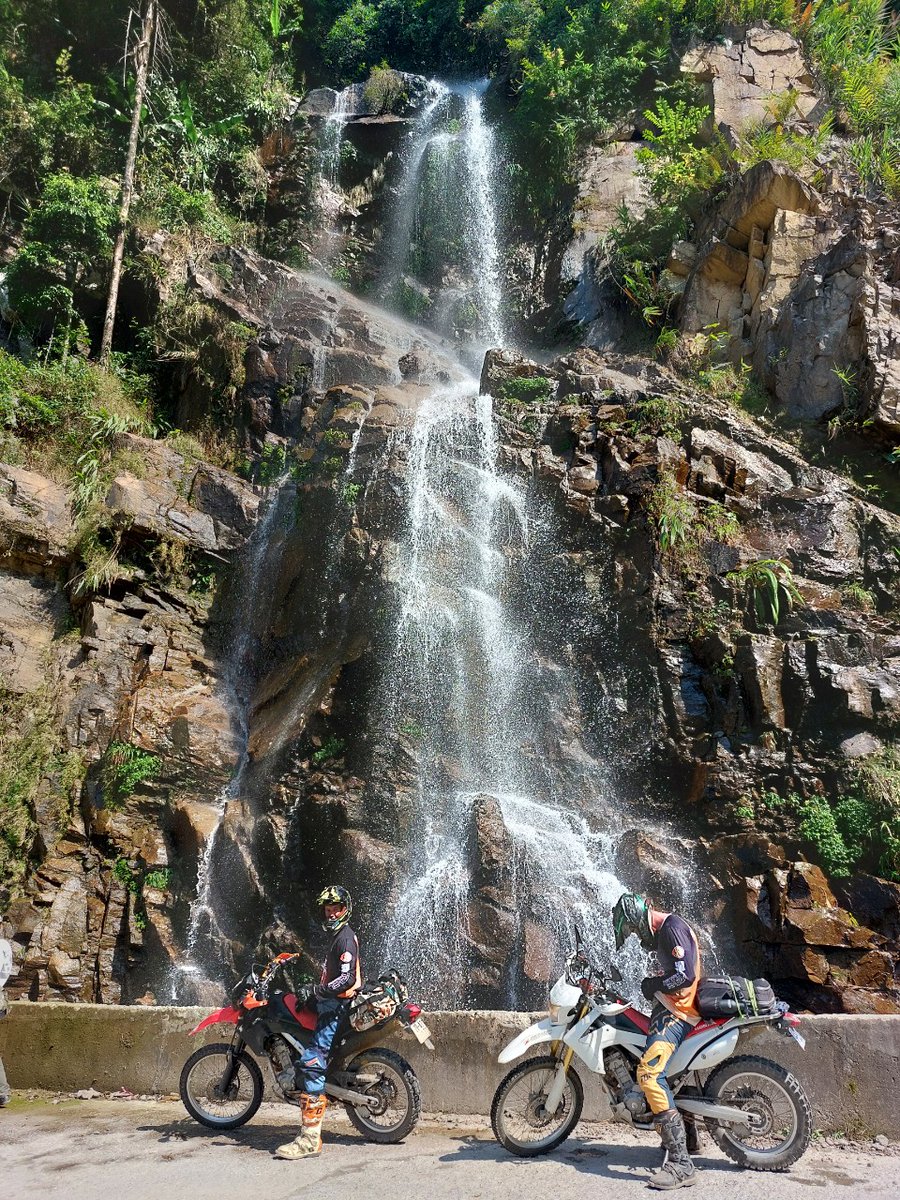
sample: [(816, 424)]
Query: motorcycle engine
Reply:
[(621, 1082), (281, 1059)]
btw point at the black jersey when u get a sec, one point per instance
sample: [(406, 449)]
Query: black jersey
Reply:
[(341, 971), (678, 954)]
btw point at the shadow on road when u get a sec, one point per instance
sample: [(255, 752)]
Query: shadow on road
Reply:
[(587, 1156), (250, 1137)]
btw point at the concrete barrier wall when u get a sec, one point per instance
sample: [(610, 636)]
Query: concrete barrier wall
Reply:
[(850, 1069)]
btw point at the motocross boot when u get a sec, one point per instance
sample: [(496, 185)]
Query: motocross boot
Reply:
[(678, 1170), (309, 1142)]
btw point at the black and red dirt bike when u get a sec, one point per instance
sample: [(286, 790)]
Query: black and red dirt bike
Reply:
[(222, 1085)]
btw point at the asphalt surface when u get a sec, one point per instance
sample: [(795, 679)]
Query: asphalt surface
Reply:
[(140, 1150)]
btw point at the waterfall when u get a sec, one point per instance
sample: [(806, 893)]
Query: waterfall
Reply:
[(327, 194), (462, 672), (441, 260), (482, 226), (237, 676), (405, 200), (333, 136)]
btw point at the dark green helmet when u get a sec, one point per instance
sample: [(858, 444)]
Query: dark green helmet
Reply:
[(334, 894), (632, 915)]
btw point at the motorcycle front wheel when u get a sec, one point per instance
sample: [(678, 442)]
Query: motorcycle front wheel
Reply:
[(519, 1120), (201, 1087), (781, 1126), (396, 1091)]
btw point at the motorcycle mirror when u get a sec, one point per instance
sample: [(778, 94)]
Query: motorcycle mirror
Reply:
[(579, 940), (615, 974)]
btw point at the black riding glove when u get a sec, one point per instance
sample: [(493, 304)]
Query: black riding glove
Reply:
[(650, 986)]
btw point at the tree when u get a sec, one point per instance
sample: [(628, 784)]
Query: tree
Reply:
[(66, 237), (143, 53)]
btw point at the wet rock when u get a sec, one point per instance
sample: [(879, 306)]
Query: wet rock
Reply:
[(651, 866), (501, 366)]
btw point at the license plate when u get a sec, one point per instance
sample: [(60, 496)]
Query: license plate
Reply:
[(421, 1030), (798, 1037)]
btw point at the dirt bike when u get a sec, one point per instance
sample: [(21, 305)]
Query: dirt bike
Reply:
[(221, 1084), (755, 1110)]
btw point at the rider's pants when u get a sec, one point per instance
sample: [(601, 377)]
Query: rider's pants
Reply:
[(665, 1035), (314, 1059)]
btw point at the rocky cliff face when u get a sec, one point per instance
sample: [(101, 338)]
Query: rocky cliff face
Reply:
[(258, 687)]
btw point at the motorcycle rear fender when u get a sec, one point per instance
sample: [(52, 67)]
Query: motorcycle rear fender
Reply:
[(534, 1035), (223, 1016), (713, 1049)]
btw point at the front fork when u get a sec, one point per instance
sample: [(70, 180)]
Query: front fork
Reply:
[(554, 1096), (232, 1062)]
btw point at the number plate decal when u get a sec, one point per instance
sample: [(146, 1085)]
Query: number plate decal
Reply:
[(421, 1030), (798, 1037)]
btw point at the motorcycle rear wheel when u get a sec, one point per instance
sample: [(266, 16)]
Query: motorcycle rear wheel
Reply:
[(199, 1081), (782, 1126), (397, 1092), (517, 1110)]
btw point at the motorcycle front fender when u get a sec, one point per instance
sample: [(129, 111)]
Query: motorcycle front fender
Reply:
[(223, 1016), (543, 1031)]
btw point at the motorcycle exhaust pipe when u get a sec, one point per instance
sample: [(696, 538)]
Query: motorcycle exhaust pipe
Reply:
[(715, 1112)]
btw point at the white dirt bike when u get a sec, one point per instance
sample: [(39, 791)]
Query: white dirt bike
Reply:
[(755, 1110)]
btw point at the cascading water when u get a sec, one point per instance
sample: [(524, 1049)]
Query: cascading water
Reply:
[(441, 253), (237, 675), (468, 717), (463, 678), (461, 674)]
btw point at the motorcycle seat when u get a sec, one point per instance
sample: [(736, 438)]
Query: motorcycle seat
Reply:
[(708, 1023)]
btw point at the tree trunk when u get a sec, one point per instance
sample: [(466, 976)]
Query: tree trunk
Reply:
[(142, 54)]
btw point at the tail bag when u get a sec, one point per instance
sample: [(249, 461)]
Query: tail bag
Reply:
[(734, 996), (377, 1001)]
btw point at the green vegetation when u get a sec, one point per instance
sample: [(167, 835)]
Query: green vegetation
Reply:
[(159, 878), (33, 767), (682, 526), (535, 389), (859, 597), (769, 583), (350, 493), (657, 414), (857, 831), (122, 769), (332, 747)]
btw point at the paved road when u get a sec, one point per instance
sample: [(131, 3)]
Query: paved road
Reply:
[(136, 1150)]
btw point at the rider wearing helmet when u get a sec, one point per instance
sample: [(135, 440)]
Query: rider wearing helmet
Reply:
[(674, 1014), (341, 980)]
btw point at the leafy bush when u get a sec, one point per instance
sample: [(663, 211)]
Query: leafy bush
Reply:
[(526, 390), (384, 90), (122, 769), (819, 827), (159, 878), (673, 513), (661, 414), (348, 44), (332, 747), (66, 238)]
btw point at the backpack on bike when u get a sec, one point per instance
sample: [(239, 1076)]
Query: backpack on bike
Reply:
[(734, 996)]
